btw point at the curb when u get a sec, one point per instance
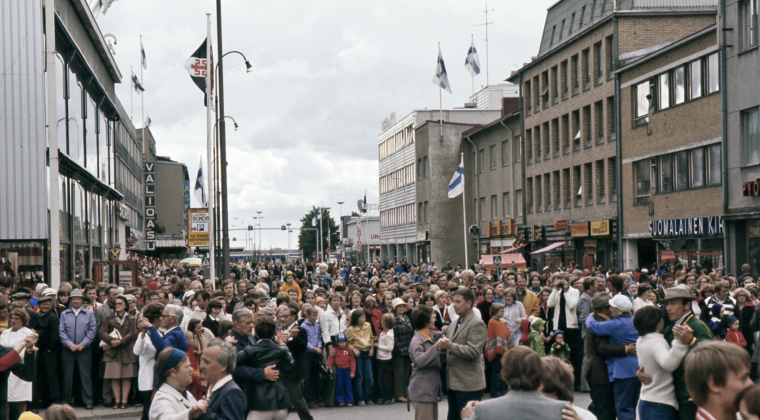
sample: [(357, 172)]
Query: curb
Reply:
[(104, 413)]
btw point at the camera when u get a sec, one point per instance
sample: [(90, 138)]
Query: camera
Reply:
[(561, 284)]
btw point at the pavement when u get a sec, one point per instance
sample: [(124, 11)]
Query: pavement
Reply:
[(375, 412)]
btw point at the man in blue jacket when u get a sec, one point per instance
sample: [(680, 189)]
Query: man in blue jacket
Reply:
[(226, 400), (174, 336), (77, 332), (241, 337)]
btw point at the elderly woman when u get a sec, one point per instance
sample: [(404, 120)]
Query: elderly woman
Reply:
[(118, 332), (172, 402), (145, 350), (514, 313), (426, 364), (267, 399), (19, 392)]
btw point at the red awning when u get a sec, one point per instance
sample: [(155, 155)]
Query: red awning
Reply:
[(512, 249), (667, 255), (550, 247), (506, 261)]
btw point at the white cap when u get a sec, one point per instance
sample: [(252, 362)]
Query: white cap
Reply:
[(621, 303)]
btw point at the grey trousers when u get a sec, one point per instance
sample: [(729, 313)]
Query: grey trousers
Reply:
[(295, 389), (83, 360)]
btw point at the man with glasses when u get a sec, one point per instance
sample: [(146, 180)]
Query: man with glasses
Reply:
[(174, 337)]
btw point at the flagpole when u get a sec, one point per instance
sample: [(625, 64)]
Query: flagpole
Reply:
[(142, 95), (464, 215), (321, 244), (210, 146)]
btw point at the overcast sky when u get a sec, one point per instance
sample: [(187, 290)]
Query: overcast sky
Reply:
[(325, 75)]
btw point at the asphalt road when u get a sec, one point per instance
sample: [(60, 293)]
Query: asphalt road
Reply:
[(390, 412)]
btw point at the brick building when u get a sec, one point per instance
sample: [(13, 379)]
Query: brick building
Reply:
[(670, 154), (569, 120)]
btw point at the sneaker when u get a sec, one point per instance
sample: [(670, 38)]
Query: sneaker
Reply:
[(389, 402), (361, 404), (402, 399), (349, 405), (370, 403), (343, 405)]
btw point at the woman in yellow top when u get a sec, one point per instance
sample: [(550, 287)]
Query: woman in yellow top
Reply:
[(361, 342), (290, 284)]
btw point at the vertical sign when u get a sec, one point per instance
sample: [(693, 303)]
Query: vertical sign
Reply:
[(186, 198), (359, 235), (150, 205), (199, 227)]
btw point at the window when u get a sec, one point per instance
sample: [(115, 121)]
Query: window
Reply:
[(612, 171), (695, 81), (682, 171), (425, 167), (666, 173), (642, 104), (565, 80), (572, 22), (587, 68), (419, 166), (519, 195), (600, 181), (748, 23), (419, 211), (583, 13), (714, 177), (482, 208), (598, 61), (713, 83), (663, 91), (598, 121), (577, 188), (492, 152), (518, 155), (562, 29), (698, 168), (554, 31), (641, 176), (679, 76), (575, 74), (482, 160), (427, 212), (507, 207), (555, 85), (608, 56), (751, 136), (505, 153), (494, 207)]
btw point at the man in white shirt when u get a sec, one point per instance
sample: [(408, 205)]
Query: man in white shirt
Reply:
[(332, 322)]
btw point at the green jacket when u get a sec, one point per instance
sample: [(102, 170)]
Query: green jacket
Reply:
[(561, 351), (701, 333), (536, 342)]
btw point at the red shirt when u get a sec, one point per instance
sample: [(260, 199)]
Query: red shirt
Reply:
[(10, 359), (736, 337), (343, 358)]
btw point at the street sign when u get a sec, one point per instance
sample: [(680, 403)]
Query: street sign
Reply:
[(497, 260), (199, 227), (205, 263)]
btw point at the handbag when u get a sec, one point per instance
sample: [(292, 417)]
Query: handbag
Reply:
[(115, 335)]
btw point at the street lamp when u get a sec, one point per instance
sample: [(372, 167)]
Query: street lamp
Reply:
[(259, 218)]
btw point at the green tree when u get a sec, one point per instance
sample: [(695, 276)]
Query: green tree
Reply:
[(307, 241)]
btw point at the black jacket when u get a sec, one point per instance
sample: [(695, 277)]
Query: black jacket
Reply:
[(47, 328), (297, 347), (212, 325), (266, 395)]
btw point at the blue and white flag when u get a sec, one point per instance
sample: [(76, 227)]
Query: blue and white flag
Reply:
[(441, 78), (142, 55), (136, 84), (456, 186), (471, 63), (200, 194), (317, 217), (101, 6), (149, 121)]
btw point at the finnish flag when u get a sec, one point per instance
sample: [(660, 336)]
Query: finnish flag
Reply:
[(142, 55), (101, 6), (149, 121), (441, 78), (136, 84), (456, 186), (317, 217), (200, 194), (472, 63)]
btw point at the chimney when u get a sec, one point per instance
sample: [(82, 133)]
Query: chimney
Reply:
[(509, 105)]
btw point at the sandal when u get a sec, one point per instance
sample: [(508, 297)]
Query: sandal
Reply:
[(123, 405)]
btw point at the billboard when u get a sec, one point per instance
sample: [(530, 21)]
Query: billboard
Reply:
[(198, 234)]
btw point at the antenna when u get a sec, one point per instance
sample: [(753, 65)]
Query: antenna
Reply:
[(486, 25)]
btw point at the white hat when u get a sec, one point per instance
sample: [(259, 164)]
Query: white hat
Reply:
[(40, 287), (49, 292), (644, 271), (621, 303)]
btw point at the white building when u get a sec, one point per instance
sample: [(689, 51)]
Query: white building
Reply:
[(362, 241)]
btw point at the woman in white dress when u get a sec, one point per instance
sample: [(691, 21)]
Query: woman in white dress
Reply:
[(19, 392)]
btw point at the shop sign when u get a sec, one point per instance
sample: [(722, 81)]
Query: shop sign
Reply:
[(589, 243), (537, 233), (489, 229), (150, 205), (579, 229), (690, 226), (560, 225), (199, 227), (751, 188), (507, 227), (600, 228)]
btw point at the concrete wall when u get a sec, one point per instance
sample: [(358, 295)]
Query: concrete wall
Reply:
[(170, 201)]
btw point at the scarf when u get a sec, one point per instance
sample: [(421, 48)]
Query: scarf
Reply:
[(121, 319), (499, 339)]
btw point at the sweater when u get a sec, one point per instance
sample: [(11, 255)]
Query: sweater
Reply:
[(385, 345), (736, 337), (344, 358), (285, 288), (659, 361), (360, 339), (537, 342)]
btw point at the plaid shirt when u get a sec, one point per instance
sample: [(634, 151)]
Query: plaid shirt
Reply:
[(403, 334)]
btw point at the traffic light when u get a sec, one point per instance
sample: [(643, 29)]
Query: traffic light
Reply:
[(283, 227)]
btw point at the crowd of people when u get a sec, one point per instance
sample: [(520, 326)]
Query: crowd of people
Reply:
[(296, 337)]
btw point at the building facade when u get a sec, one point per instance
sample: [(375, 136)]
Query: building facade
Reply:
[(569, 120), (670, 109), (741, 128), (362, 239)]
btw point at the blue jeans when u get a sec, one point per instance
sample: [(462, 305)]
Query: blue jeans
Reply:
[(363, 377), (653, 410), (626, 396), (498, 386), (343, 392), (382, 378)]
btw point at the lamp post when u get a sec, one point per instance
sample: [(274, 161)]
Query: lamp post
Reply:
[(259, 219), (253, 242), (288, 227)]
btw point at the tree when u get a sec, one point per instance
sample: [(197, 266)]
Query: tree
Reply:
[(307, 241)]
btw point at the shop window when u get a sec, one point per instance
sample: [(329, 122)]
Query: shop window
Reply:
[(751, 136), (79, 215), (695, 79), (91, 136), (713, 156), (713, 82), (642, 104), (642, 179), (682, 171), (679, 80), (698, 167), (76, 129)]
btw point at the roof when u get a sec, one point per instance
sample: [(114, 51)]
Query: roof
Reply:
[(88, 21), (477, 129), (665, 48)]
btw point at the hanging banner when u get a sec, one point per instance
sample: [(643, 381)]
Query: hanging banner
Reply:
[(199, 227)]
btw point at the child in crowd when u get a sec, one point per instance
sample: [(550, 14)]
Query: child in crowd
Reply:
[(313, 355), (537, 328), (731, 326), (384, 349), (715, 323), (344, 366), (499, 341), (560, 348), (360, 341)]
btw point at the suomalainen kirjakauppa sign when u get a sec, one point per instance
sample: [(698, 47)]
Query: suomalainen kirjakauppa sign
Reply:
[(689, 226)]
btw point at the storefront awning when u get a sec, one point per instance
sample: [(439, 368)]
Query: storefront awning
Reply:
[(550, 247), (506, 261), (667, 255), (79, 173), (506, 251)]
